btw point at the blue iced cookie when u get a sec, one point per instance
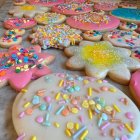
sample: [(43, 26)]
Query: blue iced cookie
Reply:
[(126, 14)]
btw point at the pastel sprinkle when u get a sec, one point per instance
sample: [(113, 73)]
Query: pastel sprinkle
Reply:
[(129, 115), (61, 83), (39, 119), (90, 91), (57, 96), (56, 124), (84, 134), (22, 114), (60, 110), (68, 133), (116, 108), (105, 125), (34, 138), (129, 128), (27, 104), (21, 137)]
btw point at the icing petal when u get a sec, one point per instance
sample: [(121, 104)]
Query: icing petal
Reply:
[(98, 73), (120, 74), (75, 63), (132, 64), (20, 80)]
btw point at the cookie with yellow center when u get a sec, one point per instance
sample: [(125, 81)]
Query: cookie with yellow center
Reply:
[(27, 10), (101, 59), (72, 107)]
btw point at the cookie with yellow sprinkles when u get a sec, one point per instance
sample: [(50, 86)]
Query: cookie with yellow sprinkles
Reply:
[(72, 107)]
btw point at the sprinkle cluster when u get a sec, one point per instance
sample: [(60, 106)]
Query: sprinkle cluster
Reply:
[(65, 103)]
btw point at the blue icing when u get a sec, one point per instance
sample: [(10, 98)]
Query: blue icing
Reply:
[(132, 14)]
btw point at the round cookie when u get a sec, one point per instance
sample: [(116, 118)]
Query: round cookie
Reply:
[(19, 23), (99, 59), (20, 65), (27, 10), (67, 107), (120, 38), (50, 18), (106, 6), (92, 35), (127, 4), (135, 87), (127, 26), (93, 21), (126, 14), (11, 37), (48, 3), (72, 8), (19, 2), (55, 36)]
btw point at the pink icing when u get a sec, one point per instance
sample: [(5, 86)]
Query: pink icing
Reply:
[(105, 6), (20, 80), (135, 86), (19, 23), (38, 2), (59, 9), (112, 24)]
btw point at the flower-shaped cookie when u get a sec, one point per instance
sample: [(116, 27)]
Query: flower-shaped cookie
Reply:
[(19, 66), (19, 23), (56, 36), (27, 10), (101, 59), (11, 37), (50, 18)]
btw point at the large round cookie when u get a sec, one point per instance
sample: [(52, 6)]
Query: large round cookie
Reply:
[(127, 14), (93, 21), (66, 107)]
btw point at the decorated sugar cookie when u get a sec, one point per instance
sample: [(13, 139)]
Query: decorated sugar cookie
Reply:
[(122, 38), (69, 107), (11, 37), (126, 14), (127, 26), (27, 10), (135, 87), (56, 36), (92, 35), (19, 23), (48, 3), (93, 21), (101, 59), (127, 4), (72, 8), (19, 66), (106, 6), (50, 18), (19, 2)]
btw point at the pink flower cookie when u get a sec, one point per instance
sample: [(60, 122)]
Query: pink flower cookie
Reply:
[(105, 6), (48, 3), (99, 59), (120, 38), (19, 23), (11, 37), (72, 107), (135, 87), (27, 10), (19, 2), (19, 66), (72, 8), (93, 21)]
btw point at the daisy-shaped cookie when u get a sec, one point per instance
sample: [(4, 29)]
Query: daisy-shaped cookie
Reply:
[(101, 59), (27, 10), (19, 66), (55, 36), (50, 18), (11, 37)]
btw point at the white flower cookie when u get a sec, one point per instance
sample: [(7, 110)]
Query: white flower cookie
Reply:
[(55, 36), (120, 38), (101, 59), (27, 10), (50, 18), (66, 107)]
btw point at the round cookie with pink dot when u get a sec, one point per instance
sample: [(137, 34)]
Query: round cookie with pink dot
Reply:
[(72, 107)]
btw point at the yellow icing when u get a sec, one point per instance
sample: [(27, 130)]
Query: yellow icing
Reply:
[(28, 7), (101, 54)]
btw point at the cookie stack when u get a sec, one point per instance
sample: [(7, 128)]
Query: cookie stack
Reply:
[(87, 45)]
